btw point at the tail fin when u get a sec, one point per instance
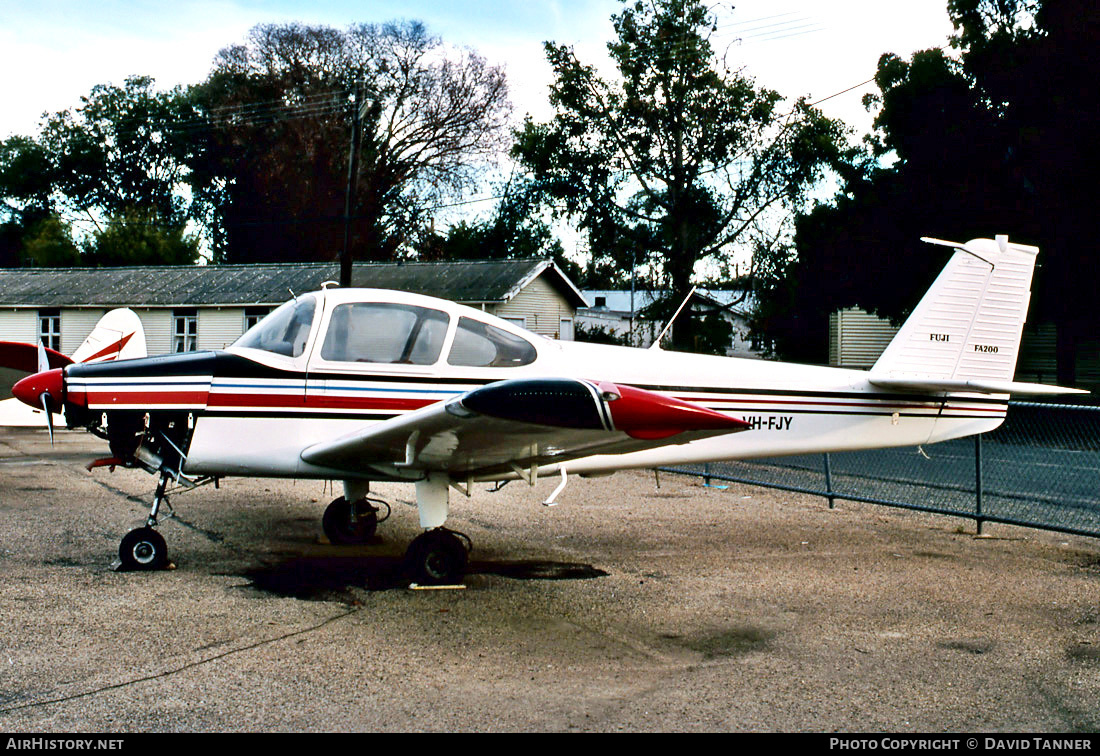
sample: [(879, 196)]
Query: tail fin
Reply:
[(117, 336), (965, 333)]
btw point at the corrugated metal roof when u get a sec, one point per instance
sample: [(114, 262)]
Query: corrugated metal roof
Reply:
[(473, 281), (618, 300)]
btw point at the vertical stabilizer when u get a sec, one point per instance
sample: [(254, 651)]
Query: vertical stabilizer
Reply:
[(967, 328), (118, 335)]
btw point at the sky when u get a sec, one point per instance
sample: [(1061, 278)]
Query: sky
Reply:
[(54, 51)]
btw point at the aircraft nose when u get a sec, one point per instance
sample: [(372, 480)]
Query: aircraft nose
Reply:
[(31, 389)]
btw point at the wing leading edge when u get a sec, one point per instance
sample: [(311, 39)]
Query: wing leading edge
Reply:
[(519, 424)]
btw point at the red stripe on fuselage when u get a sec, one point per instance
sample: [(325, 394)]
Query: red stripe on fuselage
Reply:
[(316, 401), (107, 398)]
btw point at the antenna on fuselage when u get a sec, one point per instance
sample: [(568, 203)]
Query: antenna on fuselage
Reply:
[(657, 344)]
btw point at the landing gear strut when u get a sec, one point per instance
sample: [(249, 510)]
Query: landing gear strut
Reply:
[(437, 556), (144, 548)]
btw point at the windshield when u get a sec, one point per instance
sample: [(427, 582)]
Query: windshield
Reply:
[(284, 331)]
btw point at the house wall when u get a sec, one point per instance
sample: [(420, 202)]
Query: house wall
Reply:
[(541, 306), (19, 325), (219, 326)]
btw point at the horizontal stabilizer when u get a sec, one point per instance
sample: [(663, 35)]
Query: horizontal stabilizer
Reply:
[(971, 385)]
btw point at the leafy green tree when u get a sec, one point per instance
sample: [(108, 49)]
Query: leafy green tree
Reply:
[(515, 229), (122, 148), (50, 245), (118, 155), (135, 237), (676, 162), (26, 187)]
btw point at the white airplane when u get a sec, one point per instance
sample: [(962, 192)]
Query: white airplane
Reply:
[(364, 385), (117, 336)]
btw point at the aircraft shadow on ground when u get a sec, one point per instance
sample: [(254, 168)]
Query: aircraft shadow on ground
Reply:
[(332, 578)]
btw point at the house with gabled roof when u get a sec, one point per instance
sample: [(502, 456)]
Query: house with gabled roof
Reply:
[(622, 315), (183, 308)]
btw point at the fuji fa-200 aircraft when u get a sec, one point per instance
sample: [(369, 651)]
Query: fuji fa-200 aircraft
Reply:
[(364, 385)]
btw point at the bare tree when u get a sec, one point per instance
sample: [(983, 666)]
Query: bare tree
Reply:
[(279, 107)]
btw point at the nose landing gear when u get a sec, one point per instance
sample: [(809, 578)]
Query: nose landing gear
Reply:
[(144, 548)]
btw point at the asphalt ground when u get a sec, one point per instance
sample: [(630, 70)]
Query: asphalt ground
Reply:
[(628, 607)]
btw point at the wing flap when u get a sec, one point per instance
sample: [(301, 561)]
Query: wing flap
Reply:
[(522, 423)]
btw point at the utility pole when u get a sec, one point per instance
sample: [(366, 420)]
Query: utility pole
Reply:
[(360, 106)]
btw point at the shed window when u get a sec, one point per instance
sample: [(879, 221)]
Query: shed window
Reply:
[(49, 329), (185, 330), (253, 315)]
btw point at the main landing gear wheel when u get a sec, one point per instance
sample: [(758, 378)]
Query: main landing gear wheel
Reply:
[(349, 524), (143, 549), (438, 557)]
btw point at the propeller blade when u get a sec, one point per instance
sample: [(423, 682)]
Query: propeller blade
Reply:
[(43, 360), (45, 399)]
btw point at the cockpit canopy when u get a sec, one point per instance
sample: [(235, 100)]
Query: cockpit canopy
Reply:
[(380, 332)]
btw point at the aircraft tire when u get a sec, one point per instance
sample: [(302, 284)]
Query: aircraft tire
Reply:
[(143, 549), (341, 529), (437, 557)]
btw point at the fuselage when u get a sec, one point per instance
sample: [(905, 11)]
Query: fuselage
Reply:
[(310, 377)]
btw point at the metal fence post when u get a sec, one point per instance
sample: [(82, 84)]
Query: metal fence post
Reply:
[(829, 482), (978, 482)]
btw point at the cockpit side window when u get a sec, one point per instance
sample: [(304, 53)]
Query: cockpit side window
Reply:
[(382, 332), (285, 331), (479, 344)]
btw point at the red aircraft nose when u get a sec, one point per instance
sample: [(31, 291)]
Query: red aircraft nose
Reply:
[(30, 389)]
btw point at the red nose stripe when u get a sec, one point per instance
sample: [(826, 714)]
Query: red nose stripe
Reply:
[(648, 415), (30, 389)]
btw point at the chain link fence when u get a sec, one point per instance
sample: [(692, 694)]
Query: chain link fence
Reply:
[(1040, 469)]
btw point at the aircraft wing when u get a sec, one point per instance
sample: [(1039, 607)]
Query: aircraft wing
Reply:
[(517, 425), (24, 357), (17, 360)]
